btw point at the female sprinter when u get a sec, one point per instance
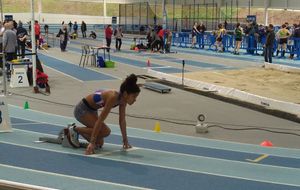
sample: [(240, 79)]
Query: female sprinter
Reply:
[(86, 113)]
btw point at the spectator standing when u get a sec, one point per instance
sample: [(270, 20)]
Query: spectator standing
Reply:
[(269, 44), (296, 34), (161, 34), (253, 37), (46, 29), (283, 34), (70, 26), (9, 41), (37, 32), (219, 38), (21, 39), (9, 44), (83, 29), (118, 35), (108, 35), (201, 28), (238, 33), (75, 28), (155, 40), (63, 37), (195, 32), (262, 32), (2, 29), (168, 41), (29, 27)]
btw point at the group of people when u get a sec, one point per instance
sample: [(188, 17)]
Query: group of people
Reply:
[(13, 38), (282, 36), (159, 39), (267, 36), (117, 33), (13, 41), (65, 33)]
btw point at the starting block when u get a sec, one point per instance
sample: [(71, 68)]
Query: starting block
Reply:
[(157, 87), (61, 139)]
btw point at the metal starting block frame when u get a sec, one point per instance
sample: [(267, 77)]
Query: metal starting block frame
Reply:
[(61, 139), (157, 87)]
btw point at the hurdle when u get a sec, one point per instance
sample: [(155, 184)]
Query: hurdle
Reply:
[(157, 87)]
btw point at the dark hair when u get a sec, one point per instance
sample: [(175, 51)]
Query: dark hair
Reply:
[(271, 26), (129, 85)]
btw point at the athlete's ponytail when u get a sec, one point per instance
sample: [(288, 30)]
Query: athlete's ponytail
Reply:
[(129, 85)]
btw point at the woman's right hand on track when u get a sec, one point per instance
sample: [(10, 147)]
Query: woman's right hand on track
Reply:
[(90, 149)]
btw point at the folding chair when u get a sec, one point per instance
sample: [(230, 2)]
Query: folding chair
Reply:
[(83, 55)]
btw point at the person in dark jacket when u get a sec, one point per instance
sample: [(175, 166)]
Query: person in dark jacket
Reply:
[(21, 39), (63, 37), (83, 29), (296, 34), (269, 44)]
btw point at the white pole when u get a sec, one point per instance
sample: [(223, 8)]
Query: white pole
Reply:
[(3, 56), (266, 15), (33, 44), (164, 14), (104, 11), (1, 11), (39, 10)]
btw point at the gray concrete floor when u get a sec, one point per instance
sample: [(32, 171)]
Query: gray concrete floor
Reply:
[(178, 106)]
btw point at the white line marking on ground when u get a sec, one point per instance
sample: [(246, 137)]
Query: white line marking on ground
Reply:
[(166, 152), (133, 66), (72, 177), (23, 186), (85, 67), (154, 165), (168, 141), (162, 67), (17, 185), (16, 124)]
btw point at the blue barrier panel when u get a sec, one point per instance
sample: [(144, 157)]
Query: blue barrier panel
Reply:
[(200, 40), (227, 42), (252, 44), (297, 47), (212, 41)]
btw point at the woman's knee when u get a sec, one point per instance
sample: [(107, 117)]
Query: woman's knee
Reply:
[(105, 131)]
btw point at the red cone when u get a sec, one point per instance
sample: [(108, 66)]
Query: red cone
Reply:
[(266, 143)]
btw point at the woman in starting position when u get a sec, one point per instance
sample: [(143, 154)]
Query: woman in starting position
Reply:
[(86, 112)]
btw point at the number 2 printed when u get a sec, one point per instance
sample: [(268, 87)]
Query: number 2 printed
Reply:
[(20, 79)]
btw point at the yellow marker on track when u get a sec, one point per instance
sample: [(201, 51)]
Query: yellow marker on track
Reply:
[(259, 158)]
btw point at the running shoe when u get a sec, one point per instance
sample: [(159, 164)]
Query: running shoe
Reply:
[(73, 137)]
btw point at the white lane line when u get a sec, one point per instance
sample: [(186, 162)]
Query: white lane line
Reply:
[(176, 153), (170, 141), (26, 123), (24, 186), (72, 177), (78, 66), (159, 166), (48, 67)]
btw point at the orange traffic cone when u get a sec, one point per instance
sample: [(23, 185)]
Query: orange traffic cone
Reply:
[(266, 143)]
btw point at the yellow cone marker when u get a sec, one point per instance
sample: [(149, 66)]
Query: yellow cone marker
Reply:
[(157, 127)]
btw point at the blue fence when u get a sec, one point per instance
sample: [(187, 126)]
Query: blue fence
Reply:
[(251, 44)]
